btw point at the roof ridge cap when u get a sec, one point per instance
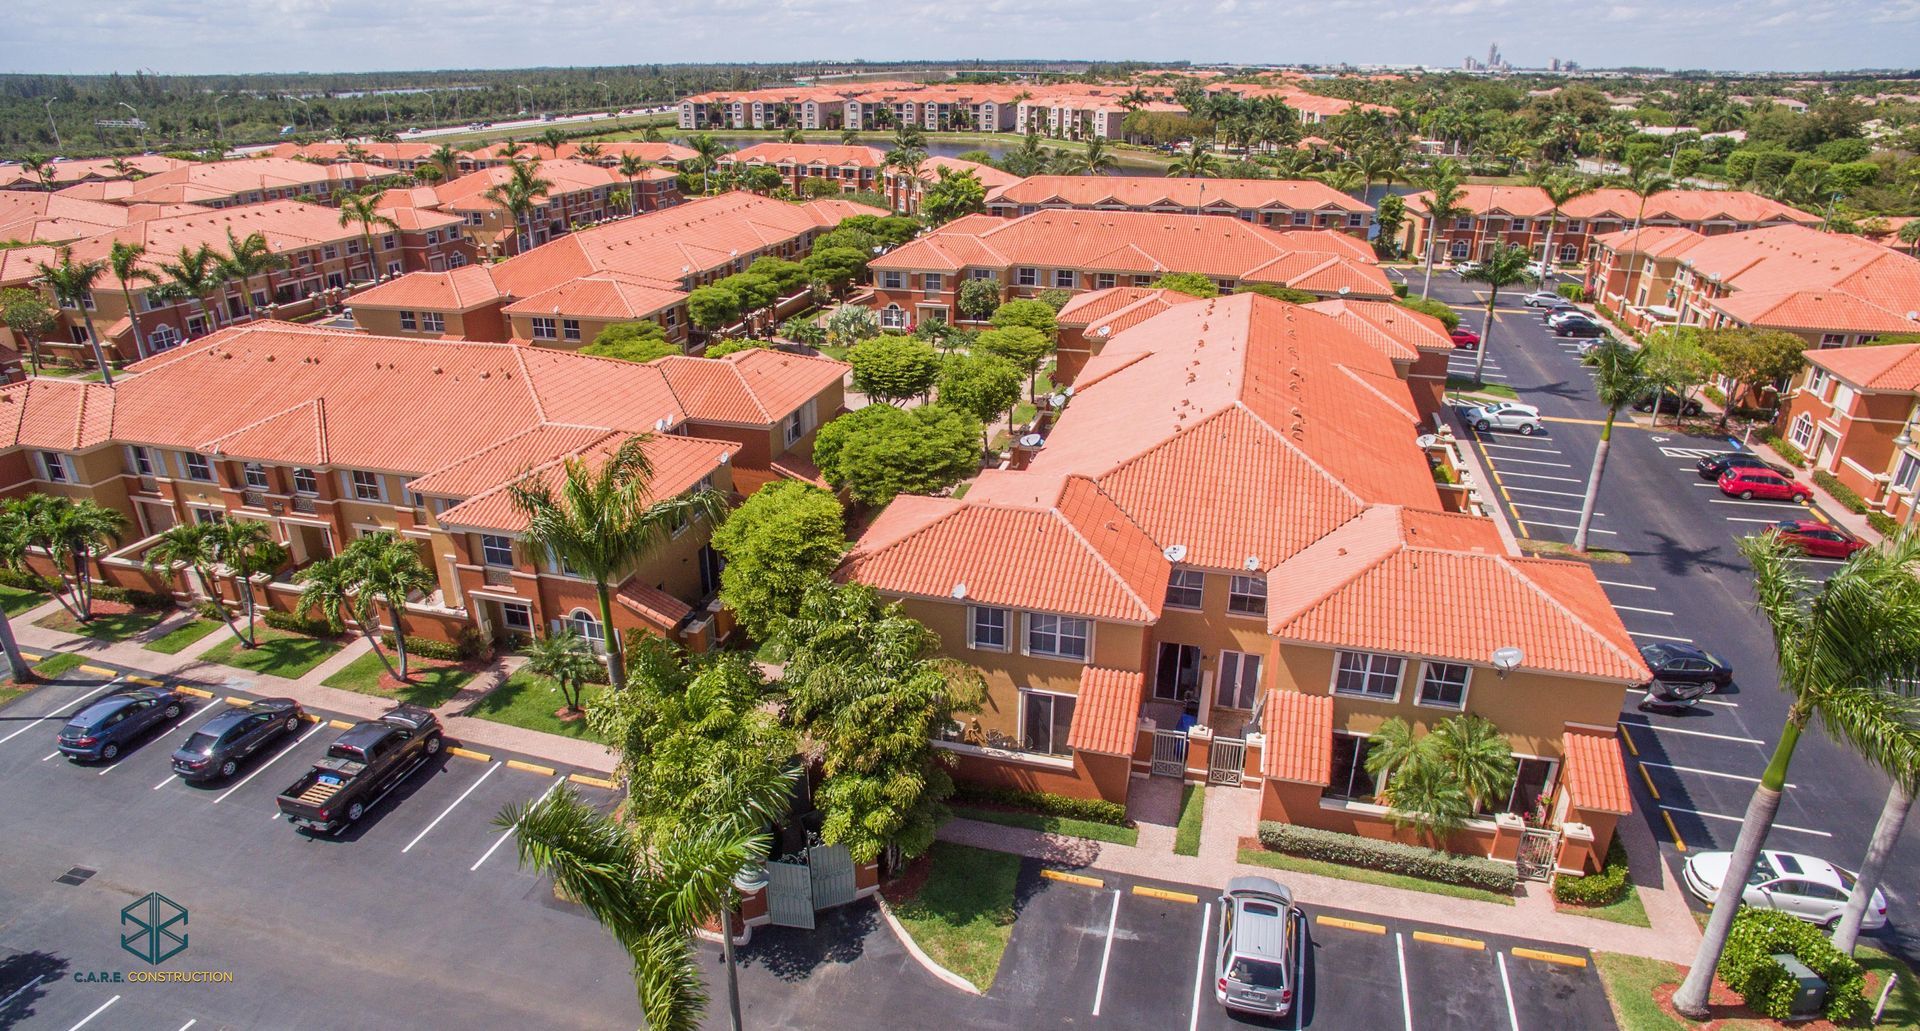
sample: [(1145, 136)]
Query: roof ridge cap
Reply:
[(263, 420), (1514, 569), (1098, 555), (533, 391), (1399, 544)]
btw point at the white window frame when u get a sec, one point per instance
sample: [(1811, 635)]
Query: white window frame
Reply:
[(893, 280), (311, 481), (56, 468), (569, 329), (1368, 674), (587, 625), (140, 459), (492, 542), (409, 321), (974, 640), (1427, 670), (1801, 432), (1234, 669), (1052, 714), (1026, 276), (188, 465), (1059, 636), (893, 317), (433, 322), (358, 488), (508, 611), (254, 475), (1181, 579), (1066, 279), (1906, 471), (545, 327), (1238, 592)]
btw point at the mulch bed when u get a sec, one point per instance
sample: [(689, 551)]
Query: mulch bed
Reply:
[(905, 886), (103, 607), (1729, 1011)]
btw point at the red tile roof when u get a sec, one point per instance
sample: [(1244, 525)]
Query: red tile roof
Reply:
[(654, 605), (31, 216), (1106, 717), (207, 181), (1736, 206), (72, 170), (1596, 774), (461, 289), (287, 225), (808, 154), (679, 463), (602, 295), (1793, 277), (1148, 192), (1299, 737), (1893, 368)]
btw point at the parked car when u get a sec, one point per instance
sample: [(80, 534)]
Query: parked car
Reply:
[(1747, 483), (1674, 697), (1712, 466), (1578, 328), (1818, 539), (1677, 662), (1505, 415), (1555, 316), (1670, 403), (1465, 268), (103, 730), (1254, 960), (216, 749), (1807, 887), (368, 760), (1544, 299), (1541, 270), (1465, 339)]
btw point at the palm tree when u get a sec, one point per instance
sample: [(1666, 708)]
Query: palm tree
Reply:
[(707, 152), (1847, 651), (246, 548), (630, 167), (600, 522), (1441, 181), (552, 139), (1620, 376), (588, 151), (197, 275), (328, 585), (1197, 163), (909, 137), (849, 137), (248, 258), (1505, 265), (1643, 182), (1559, 190), (388, 569), (1346, 177), (1096, 160), (72, 285), (1886, 833), (519, 194), (76, 531), (564, 659), (511, 150), (362, 208), (1392, 746), (123, 258), (1477, 756), (1910, 235), (191, 545), (792, 134), (446, 159)]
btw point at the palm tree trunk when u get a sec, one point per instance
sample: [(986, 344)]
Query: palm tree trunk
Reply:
[(733, 969), (17, 669), (1690, 999), (373, 637), (1593, 481), (1886, 832), (209, 585), (93, 338), (1546, 252), (139, 342), (1486, 340), (616, 662), (82, 584), (398, 608), (1427, 284), (244, 582)]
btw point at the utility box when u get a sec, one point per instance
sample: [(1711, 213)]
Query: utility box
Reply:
[(1810, 993)]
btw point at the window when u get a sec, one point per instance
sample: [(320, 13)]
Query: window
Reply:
[(988, 628), (304, 482), (1301, 218), (1817, 382), (208, 516), (1045, 720), (1457, 249), (163, 338), (1143, 281), (1186, 588), (1356, 220), (1532, 778), (518, 618), (1239, 682), (142, 460), (1906, 472), (433, 322), (1444, 685), (496, 550), (544, 328), (329, 252), (389, 242), (367, 486), (353, 246), (1519, 225), (1026, 277), (408, 321), (932, 282), (982, 273), (798, 424), (589, 629), (197, 468), (255, 475), (1105, 280), (1350, 778), (1060, 637), (1247, 596), (54, 468), (893, 317), (569, 329), (1064, 278), (893, 280), (1368, 675), (1176, 673), (1801, 433), (1833, 340), (1463, 222)]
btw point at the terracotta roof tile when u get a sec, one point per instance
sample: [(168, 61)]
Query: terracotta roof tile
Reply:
[(1299, 737), (1893, 367), (808, 154), (679, 464), (461, 289), (1106, 716), (656, 606), (602, 295), (1148, 192), (1596, 775)]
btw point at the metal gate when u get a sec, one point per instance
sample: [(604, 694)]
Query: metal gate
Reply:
[(1169, 753), (1228, 758), (790, 895), (1539, 851), (830, 868)]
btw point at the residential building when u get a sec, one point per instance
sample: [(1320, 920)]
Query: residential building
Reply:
[(1095, 250), (324, 435), (225, 184), (1853, 413), (400, 156), (33, 216), (578, 194), (849, 169), (1281, 204), (73, 171), (1229, 561), (904, 189), (1518, 216), (609, 154)]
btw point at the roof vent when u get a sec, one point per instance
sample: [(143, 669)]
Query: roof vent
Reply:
[(959, 590)]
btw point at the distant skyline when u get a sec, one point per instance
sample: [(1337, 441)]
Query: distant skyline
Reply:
[(214, 36)]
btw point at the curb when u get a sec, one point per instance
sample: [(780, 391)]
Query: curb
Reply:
[(913, 949)]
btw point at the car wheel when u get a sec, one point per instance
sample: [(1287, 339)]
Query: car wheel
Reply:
[(171, 711), (433, 745), (293, 724), (227, 768), (1526, 429), (1483, 425), (111, 752), (1746, 495), (1646, 706), (355, 812)]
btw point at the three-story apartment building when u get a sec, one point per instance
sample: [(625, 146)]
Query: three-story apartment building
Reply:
[(1519, 216), (1282, 204)]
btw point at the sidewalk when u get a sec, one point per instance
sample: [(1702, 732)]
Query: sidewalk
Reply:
[(309, 691)]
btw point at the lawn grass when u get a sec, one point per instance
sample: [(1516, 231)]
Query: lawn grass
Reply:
[(962, 916), (431, 687), (17, 600), (530, 700), (58, 666), (1193, 808), (1903, 1006), (1465, 383), (1627, 911), (1069, 826), (1536, 546), (1282, 861), (102, 627), (175, 641), (280, 654), (1630, 982)]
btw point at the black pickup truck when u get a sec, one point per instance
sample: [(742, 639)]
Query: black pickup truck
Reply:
[(368, 760)]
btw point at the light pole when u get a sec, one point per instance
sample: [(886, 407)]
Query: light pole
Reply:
[(219, 125), (57, 145), (136, 118), (528, 110), (606, 95)]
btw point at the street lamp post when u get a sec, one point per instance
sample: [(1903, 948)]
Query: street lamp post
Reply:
[(606, 95), (220, 126), (529, 108), (51, 124)]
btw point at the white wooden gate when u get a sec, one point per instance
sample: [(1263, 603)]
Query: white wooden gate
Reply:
[(1169, 753), (830, 868), (790, 895), (1539, 853), (1227, 759)]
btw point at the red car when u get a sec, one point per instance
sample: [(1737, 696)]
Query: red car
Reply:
[(1818, 539), (1746, 483), (1465, 339)]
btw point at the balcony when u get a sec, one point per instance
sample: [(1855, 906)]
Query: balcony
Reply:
[(304, 504), (253, 499), (497, 576)]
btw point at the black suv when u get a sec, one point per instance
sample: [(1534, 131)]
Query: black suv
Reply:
[(1670, 403), (1712, 466), (215, 750)]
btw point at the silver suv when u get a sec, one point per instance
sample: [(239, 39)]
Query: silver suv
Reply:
[(1254, 964)]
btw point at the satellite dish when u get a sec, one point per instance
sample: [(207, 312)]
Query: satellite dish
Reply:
[(959, 590), (1105, 331), (1068, 391), (1032, 440), (1913, 316), (1058, 400), (1252, 563), (1507, 659), (660, 426), (1175, 552), (1425, 441), (1345, 290), (725, 457)]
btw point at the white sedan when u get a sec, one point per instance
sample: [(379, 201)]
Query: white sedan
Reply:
[(1812, 889), (1542, 299), (1505, 415), (1540, 270)]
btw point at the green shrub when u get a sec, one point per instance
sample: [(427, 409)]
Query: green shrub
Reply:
[(1571, 291), (1447, 316), (1882, 523), (1784, 446), (1716, 395), (1097, 810), (1748, 967), (26, 580), (467, 646), (295, 623), (130, 596), (1400, 290), (1842, 493), (1389, 856), (213, 610), (1605, 888)]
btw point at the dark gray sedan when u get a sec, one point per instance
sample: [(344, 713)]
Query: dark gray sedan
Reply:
[(218, 747), (104, 729)]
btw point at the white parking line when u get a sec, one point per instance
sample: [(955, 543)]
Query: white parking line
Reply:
[(1712, 485), (1555, 493), (50, 755), (95, 1013), (1650, 612), (1706, 773), (1541, 476), (1200, 966), (55, 716), (1777, 505), (1550, 508), (1522, 447), (16, 992), (1665, 729), (1736, 819), (189, 1024), (1660, 637), (177, 724), (1637, 587), (1766, 522), (1703, 701), (1113, 920), (1536, 461), (449, 808), (263, 766), (1406, 996), (1563, 526), (1299, 973), (1513, 1019), (509, 832)]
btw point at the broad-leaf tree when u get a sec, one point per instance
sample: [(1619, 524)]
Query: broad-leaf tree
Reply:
[(952, 195), (1753, 359), (641, 341), (985, 386), (1024, 348), (30, 317), (880, 451), (894, 369), (783, 537)]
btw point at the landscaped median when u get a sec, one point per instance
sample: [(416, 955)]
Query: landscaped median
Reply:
[(1640, 990), (534, 702), (1193, 810), (1051, 814), (1607, 895), (1349, 857), (279, 653), (431, 681), (957, 904)]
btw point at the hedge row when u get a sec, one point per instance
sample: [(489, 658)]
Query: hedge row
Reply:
[(1572, 291), (470, 646), (295, 623), (1748, 967), (23, 580), (1842, 493), (1439, 310), (1097, 810), (1784, 446), (1883, 523), (1605, 888), (130, 596), (1388, 856)]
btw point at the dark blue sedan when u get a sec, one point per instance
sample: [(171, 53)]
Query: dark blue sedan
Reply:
[(107, 727)]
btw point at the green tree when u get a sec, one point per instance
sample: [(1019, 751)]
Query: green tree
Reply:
[(72, 285), (1279, 293), (1390, 215), (977, 299), (1505, 265), (893, 369), (1619, 377), (761, 179), (952, 195), (73, 533), (1559, 190), (190, 546), (784, 536), (29, 316), (1476, 756), (879, 451), (1846, 650), (630, 167), (123, 260), (565, 659), (1392, 747), (1197, 163), (806, 331), (383, 568), (246, 549), (835, 268), (1036, 315), (1753, 359), (1022, 347), (849, 324), (1677, 361), (706, 157), (1443, 196), (597, 521), (520, 194), (985, 386), (363, 208), (1643, 182), (327, 586), (866, 684), (641, 341), (713, 306), (786, 276), (195, 274), (1193, 284)]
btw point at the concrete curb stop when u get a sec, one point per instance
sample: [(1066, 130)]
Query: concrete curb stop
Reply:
[(913, 949)]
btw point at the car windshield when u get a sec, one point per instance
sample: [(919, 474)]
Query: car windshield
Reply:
[(1846, 880), (201, 743), (1258, 973), (1763, 871)]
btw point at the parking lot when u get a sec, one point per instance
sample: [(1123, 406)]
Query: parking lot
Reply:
[(1684, 581)]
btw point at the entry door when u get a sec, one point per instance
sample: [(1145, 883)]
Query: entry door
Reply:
[(1177, 674)]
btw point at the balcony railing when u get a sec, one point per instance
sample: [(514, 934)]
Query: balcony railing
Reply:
[(497, 576), (304, 504), (253, 499)]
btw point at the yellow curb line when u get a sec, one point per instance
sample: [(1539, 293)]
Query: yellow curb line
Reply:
[(33, 656), (1551, 957), (1648, 777), (544, 771), (1628, 738), (100, 670), (1351, 925), (1162, 893), (597, 782), (1448, 939), (150, 682), (238, 702), (1073, 878), (1678, 842), (307, 717), (340, 724), (468, 753), (196, 692)]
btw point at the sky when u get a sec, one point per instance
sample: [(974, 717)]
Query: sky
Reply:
[(201, 36)]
